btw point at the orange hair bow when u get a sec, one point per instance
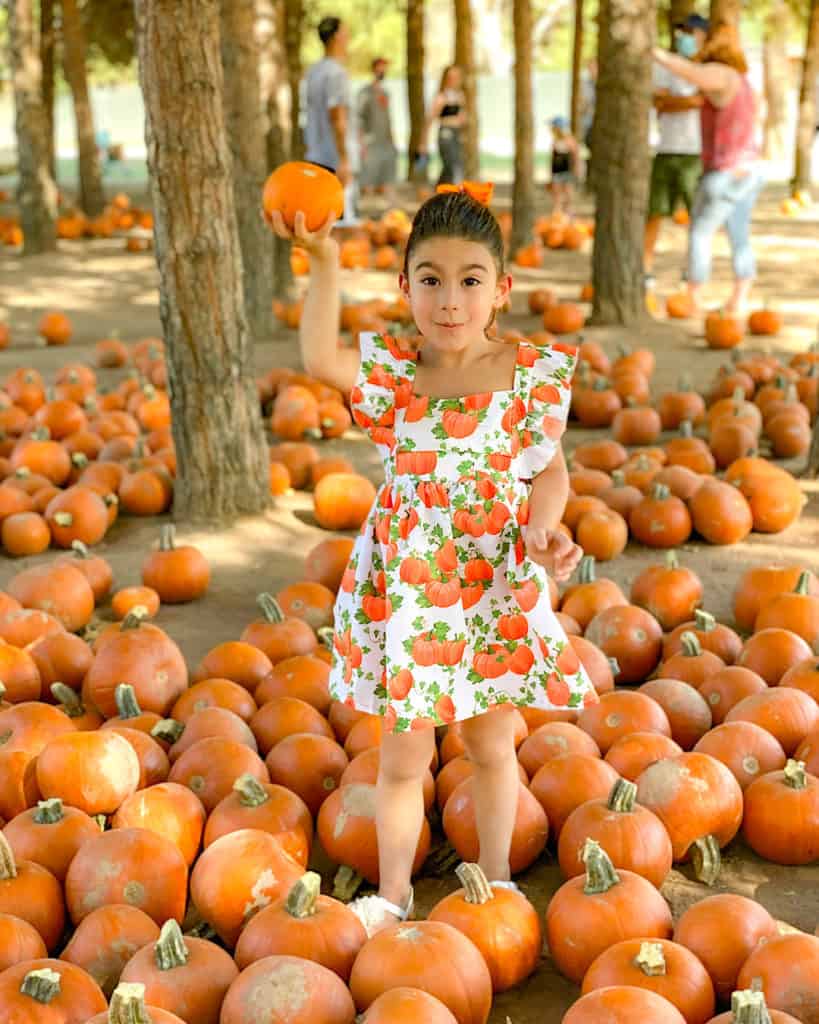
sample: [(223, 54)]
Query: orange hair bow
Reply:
[(480, 191)]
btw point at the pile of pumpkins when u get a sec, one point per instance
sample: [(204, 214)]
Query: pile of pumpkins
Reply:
[(159, 823), (119, 218), (377, 245)]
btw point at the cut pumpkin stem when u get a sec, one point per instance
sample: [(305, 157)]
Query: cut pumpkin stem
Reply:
[(42, 986), (69, 700), (622, 797), (795, 774), (748, 1007), (49, 812), (251, 792), (600, 873), (301, 900), (168, 730), (170, 950), (126, 701), (270, 608), (346, 883), (477, 889), (651, 960), (704, 621), (128, 1004), (707, 859)]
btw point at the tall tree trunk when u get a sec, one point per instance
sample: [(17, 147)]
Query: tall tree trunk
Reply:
[(808, 114), (725, 10), (523, 190), (36, 191), (777, 80), (217, 426), (678, 11), (465, 59), (293, 28), (246, 138), (415, 80), (577, 69), (92, 195), (621, 158), (276, 107), (47, 85)]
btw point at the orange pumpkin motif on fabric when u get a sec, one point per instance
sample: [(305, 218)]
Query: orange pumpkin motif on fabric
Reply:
[(459, 424)]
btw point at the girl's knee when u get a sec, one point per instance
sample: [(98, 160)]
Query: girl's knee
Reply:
[(490, 737), (407, 755)]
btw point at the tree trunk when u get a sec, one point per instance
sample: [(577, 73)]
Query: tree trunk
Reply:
[(577, 69), (47, 84), (293, 28), (415, 82), (36, 191), (725, 11), (276, 108), (523, 189), (465, 59), (621, 158), (217, 426), (246, 138), (808, 114), (777, 80), (92, 195), (678, 11)]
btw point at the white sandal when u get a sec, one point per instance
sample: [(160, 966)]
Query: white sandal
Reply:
[(507, 885), (372, 911)]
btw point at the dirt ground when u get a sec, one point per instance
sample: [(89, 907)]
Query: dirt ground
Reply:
[(103, 289)]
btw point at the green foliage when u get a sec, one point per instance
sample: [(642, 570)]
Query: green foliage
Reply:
[(110, 28)]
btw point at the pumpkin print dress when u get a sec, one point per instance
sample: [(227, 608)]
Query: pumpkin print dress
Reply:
[(440, 615)]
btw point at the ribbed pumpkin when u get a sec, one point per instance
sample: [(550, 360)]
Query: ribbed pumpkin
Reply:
[(620, 713), (177, 574), (170, 810), (94, 771), (781, 820), (688, 714), (104, 942), (50, 835), (49, 990)]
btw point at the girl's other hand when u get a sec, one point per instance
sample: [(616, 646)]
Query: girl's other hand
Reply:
[(553, 550), (315, 242)]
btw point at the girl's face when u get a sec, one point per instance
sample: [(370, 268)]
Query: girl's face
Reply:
[(452, 287)]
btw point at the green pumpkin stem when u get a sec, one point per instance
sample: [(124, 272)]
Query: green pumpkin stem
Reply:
[(8, 867), (42, 986), (600, 873), (795, 774), (706, 858), (614, 665), (170, 950), (748, 1007), (132, 620), (690, 644), (587, 570), (660, 492), (301, 900), (126, 701), (618, 478), (251, 792), (704, 621), (651, 960), (325, 635), (477, 889), (49, 812), (168, 730), (271, 610), (167, 537), (672, 561), (686, 428), (803, 583), (69, 700), (622, 797), (128, 1004)]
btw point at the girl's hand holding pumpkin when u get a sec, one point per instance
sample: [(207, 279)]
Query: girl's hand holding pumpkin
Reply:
[(317, 243), (553, 550)]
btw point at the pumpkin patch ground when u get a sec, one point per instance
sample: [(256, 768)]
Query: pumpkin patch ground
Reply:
[(103, 288)]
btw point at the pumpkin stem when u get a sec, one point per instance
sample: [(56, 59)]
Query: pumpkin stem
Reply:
[(706, 859), (671, 559), (42, 985), (586, 571), (170, 950), (325, 635), (128, 1004), (618, 478), (40, 434), (660, 492), (690, 644), (346, 883), (738, 395), (600, 873), (301, 900), (131, 621), (748, 1007), (79, 460), (49, 812), (251, 792), (704, 621), (126, 701), (477, 888), (63, 518), (167, 537), (650, 959), (70, 702), (168, 730), (795, 775), (622, 797), (686, 428), (271, 609), (614, 665), (803, 583)]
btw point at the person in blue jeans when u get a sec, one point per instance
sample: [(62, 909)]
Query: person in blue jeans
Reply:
[(732, 173)]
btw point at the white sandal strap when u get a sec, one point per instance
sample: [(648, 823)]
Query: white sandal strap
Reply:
[(370, 910), (507, 885)]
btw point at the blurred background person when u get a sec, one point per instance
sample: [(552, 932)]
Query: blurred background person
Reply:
[(449, 110), (378, 152)]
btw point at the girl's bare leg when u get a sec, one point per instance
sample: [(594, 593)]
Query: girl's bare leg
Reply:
[(490, 745)]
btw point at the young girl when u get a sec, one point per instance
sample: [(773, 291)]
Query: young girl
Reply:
[(565, 165), (444, 615)]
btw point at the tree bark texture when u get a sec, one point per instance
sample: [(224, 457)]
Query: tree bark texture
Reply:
[(728, 11), (217, 425), (577, 70), (777, 80), (47, 35), (276, 108), (75, 51), (293, 28), (36, 191), (415, 81), (808, 114), (465, 59), (523, 189), (678, 11), (621, 158), (246, 138)]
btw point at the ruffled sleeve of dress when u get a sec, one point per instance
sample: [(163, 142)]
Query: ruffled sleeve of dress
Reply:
[(383, 380), (549, 370)]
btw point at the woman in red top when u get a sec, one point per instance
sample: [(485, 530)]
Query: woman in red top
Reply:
[(732, 176)]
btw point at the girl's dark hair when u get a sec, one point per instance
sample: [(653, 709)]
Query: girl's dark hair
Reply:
[(456, 215)]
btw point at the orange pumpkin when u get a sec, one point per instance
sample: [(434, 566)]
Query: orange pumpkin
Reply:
[(295, 186)]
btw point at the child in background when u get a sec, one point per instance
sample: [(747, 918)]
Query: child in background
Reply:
[(566, 166)]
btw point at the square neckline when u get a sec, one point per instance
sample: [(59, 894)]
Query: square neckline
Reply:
[(463, 398)]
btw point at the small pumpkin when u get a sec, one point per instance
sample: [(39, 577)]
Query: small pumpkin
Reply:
[(787, 967), (32, 893), (104, 942), (781, 820), (632, 754), (177, 574), (670, 592), (46, 990)]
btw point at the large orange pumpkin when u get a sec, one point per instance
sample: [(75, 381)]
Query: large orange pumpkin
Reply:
[(342, 501), (295, 186)]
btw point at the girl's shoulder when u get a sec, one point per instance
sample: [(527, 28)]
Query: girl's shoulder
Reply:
[(538, 362)]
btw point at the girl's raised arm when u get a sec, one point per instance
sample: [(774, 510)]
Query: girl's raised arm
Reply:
[(318, 331)]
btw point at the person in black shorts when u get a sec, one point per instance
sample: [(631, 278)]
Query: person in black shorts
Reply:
[(565, 166)]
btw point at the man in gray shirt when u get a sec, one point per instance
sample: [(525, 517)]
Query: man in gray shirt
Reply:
[(378, 153), (329, 126)]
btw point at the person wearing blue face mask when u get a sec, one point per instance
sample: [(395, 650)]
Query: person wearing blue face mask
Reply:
[(677, 166)]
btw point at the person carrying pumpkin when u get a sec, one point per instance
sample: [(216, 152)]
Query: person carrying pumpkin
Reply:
[(445, 615)]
